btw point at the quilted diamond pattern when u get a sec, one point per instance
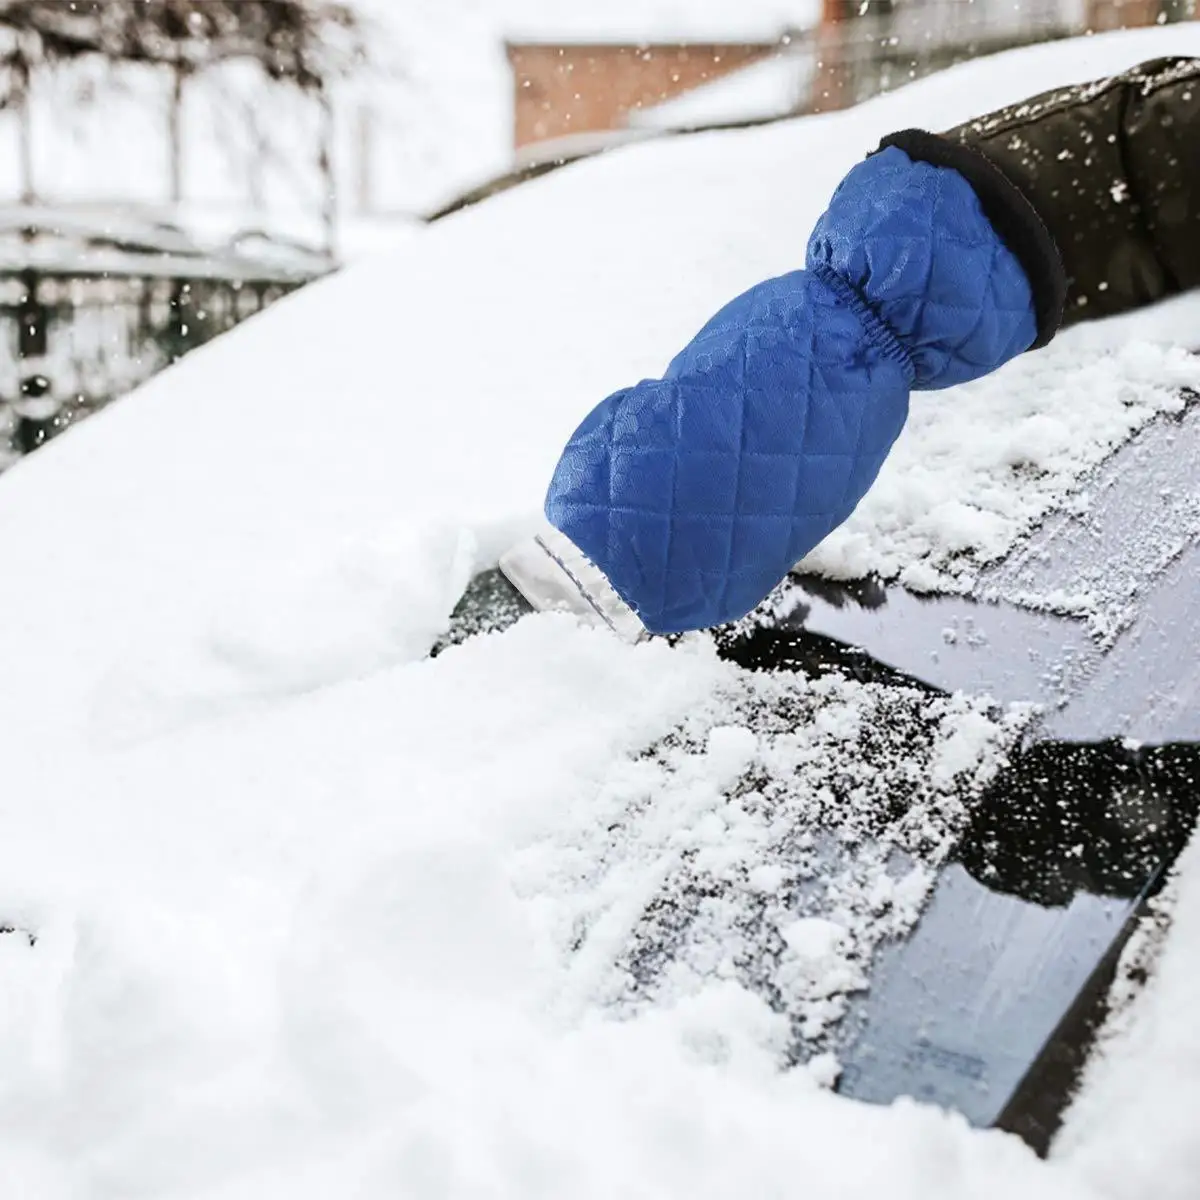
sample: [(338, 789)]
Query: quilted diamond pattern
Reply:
[(697, 492), (911, 239)]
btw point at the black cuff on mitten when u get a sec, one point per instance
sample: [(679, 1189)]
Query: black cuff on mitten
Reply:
[(1011, 214)]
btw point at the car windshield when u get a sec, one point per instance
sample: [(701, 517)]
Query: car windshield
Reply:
[(1038, 873), (1097, 798)]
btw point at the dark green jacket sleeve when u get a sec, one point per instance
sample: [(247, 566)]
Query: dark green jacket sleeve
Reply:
[(1095, 188)]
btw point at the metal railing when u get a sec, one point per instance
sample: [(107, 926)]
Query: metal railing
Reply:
[(69, 346), (89, 310)]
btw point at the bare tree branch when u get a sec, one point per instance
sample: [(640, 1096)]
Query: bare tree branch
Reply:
[(301, 43)]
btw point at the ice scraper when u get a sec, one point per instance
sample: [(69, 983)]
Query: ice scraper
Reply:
[(551, 573), (679, 503)]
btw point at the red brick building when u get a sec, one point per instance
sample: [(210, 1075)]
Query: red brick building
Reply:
[(564, 89)]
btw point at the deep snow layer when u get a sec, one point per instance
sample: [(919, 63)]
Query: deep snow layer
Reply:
[(306, 906)]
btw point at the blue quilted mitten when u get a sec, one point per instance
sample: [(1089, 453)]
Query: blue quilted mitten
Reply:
[(696, 493)]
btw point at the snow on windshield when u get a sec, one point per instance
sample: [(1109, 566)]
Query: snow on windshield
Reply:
[(978, 468), (773, 840), (298, 911)]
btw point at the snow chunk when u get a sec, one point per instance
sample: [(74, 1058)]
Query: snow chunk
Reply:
[(813, 938), (731, 750)]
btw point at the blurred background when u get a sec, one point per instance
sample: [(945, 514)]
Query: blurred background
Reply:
[(170, 167)]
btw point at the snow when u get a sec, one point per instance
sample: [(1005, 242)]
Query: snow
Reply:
[(314, 914), (639, 21), (1140, 1096), (969, 478), (439, 111), (111, 240), (232, 177), (429, 120), (428, 117), (772, 88)]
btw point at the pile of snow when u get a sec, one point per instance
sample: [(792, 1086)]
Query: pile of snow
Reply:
[(772, 88), (297, 911)]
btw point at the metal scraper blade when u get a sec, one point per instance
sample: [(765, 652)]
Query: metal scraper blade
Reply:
[(554, 575)]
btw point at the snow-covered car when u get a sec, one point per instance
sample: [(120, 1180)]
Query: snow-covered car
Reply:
[(326, 872)]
